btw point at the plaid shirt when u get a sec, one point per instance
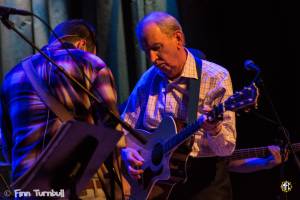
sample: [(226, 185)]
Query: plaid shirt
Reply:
[(155, 96), (26, 122)]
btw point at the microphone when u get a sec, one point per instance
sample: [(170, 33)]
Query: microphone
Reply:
[(251, 66), (12, 11)]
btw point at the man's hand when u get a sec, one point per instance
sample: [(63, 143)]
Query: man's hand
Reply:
[(133, 161), (212, 128), (275, 157)]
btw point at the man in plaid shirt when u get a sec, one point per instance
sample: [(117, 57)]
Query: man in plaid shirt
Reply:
[(163, 90), (27, 123)]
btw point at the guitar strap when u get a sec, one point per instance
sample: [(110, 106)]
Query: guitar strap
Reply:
[(194, 91), (42, 89)]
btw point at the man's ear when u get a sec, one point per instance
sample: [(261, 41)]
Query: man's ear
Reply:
[(80, 44), (180, 38)]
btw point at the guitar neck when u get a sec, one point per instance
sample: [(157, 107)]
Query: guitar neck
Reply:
[(255, 152), (242, 99), (180, 137)]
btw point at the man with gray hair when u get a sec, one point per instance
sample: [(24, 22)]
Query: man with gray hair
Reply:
[(163, 91)]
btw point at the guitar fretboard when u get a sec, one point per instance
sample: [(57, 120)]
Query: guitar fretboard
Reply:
[(255, 152), (183, 135)]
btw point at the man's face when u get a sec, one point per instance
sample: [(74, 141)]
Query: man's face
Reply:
[(163, 50)]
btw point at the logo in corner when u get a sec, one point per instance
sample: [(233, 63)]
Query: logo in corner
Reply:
[(286, 186)]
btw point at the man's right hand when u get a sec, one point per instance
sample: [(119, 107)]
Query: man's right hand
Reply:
[(133, 161)]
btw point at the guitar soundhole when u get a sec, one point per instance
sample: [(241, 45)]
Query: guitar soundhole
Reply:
[(157, 154)]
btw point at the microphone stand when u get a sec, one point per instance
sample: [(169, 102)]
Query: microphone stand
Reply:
[(287, 145), (10, 25)]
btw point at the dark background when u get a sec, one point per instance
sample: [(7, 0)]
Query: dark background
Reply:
[(229, 32)]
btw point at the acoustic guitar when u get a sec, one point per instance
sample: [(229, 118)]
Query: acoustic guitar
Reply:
[(163, 162)]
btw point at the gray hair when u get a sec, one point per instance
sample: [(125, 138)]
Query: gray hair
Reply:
[(166, 23)]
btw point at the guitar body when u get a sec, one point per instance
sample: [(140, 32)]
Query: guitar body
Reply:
[(161, 170)]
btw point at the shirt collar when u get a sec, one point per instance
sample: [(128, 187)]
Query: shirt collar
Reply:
[(56, 45), (190, 68)]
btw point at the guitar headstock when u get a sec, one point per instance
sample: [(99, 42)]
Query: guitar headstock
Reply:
[(239, 100), (245, 98)]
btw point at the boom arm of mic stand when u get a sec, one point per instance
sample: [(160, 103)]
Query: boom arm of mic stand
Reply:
[(10, 25), (257, 79)]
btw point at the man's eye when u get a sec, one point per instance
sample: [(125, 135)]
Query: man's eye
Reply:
[(156, 48)]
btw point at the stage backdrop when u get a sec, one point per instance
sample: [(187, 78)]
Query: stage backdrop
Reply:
[(115, 21)]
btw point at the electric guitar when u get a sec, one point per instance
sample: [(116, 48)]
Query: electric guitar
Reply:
[(163, 163)]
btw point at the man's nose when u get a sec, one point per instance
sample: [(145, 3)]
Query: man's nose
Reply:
[(153, 56)]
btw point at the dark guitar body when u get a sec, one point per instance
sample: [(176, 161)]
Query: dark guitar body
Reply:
[(161, 171)]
